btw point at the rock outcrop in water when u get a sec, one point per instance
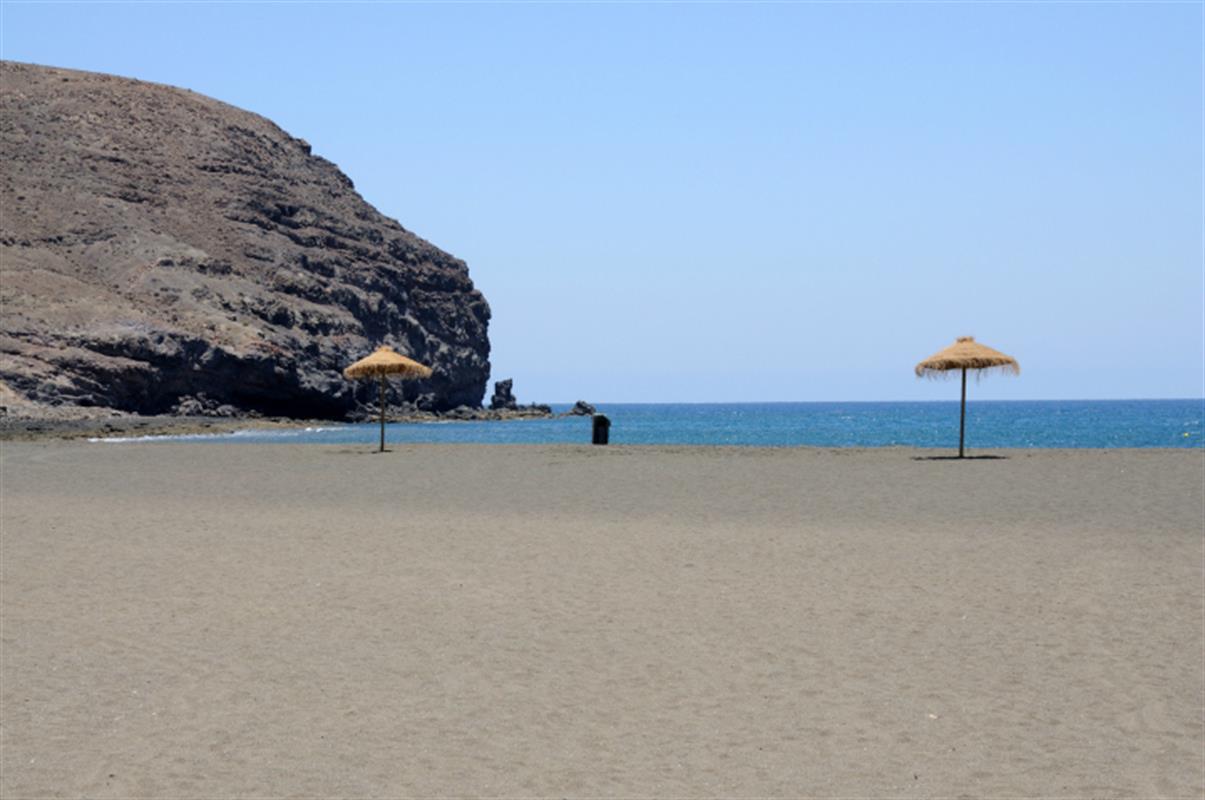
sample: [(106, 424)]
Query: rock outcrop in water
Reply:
[(503, 405), (582, 409), (162, 251), (504, 396)]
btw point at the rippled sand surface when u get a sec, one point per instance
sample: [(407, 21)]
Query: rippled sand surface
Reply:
[(196, 621)]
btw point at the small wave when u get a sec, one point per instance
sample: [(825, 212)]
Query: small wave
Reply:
[(259, 434), (284, 433), (172, 437)]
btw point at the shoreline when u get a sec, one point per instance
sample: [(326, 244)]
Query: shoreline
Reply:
[(202, 431), (68, 429), (68, 423), (32, 428)]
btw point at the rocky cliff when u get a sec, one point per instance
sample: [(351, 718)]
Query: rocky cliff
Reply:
[(160, 250)]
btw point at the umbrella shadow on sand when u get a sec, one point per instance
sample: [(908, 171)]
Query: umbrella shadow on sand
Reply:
[(960, 458)]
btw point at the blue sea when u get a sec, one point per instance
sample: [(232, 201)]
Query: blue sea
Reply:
[(1046, 423)]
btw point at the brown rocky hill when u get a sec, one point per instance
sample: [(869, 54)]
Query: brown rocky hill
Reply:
[(160, 251)]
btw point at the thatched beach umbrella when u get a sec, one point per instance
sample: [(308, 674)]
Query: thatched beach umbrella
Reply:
[(965, 354), (383, 362)]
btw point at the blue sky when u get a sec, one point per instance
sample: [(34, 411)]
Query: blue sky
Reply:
[(722, 202)]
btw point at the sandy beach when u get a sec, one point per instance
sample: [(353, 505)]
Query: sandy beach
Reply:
[(254, 621)]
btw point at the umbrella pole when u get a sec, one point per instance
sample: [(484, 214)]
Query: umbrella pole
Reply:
[(962, 417), (382, 410)]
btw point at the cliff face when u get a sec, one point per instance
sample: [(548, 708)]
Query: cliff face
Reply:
[(157, 245)]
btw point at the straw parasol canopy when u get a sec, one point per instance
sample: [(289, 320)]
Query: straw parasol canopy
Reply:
[(965, 354), (386, 361)]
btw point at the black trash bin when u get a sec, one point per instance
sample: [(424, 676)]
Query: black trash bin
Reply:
[(602, 429)]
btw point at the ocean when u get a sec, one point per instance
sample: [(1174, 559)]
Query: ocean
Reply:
[(990, 424)]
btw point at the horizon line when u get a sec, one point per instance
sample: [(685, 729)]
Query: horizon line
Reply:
[(800, 402)]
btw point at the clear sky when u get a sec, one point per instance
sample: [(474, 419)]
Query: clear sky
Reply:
[(722, 201)]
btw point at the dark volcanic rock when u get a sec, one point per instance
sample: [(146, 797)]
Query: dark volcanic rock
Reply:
[(581, 409), (203, 406), (159, 247), (503, 405), (503, 397)]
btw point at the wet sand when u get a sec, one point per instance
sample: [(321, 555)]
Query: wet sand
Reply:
[(198, 621)]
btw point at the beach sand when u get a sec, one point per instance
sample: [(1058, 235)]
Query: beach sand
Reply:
[(220, 621)]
